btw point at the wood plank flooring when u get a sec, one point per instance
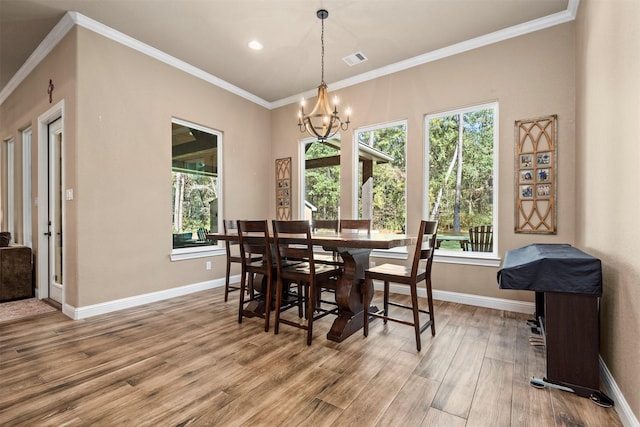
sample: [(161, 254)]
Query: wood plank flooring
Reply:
[(187, 362)]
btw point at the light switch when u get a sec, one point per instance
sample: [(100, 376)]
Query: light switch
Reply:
[(69, 194)]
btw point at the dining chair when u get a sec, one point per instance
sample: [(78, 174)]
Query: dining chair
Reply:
[(293, 243), (255, 253), (324, 225), (355, 225), (481, 238), (231, 227), (405, 276)]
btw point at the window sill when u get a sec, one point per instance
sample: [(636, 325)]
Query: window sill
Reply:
[(395, 253), (193, 253), (468, 258)]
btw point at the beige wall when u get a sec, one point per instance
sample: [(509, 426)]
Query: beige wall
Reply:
[(22, 109), (123, 190), (608, 173), (118, 231), (529, 76)]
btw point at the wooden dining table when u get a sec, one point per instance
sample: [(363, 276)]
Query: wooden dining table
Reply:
[(354, 249)]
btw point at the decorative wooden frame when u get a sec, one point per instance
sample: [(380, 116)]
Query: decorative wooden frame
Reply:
[(535, 178), (283, 189)]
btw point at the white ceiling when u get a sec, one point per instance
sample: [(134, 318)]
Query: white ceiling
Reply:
[(212, 35)]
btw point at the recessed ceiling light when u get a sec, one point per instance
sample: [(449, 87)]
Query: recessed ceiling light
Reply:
[(255, 45)]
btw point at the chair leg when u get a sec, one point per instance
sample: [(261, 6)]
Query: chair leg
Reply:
[(276, 323), (300, 300), (226, 282), (267, 303), (365, 304), (416, 314), (430, 301), (386, 300), (311, 305), (243, 286), (251, 290)]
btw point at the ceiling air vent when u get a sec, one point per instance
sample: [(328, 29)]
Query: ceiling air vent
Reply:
[(354, 59)]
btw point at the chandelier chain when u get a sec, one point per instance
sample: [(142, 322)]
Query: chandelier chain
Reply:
[(322, 56)]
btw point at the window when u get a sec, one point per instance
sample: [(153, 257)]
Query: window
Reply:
[(382, 176), (461, 172), (195, 181), (321, 192)]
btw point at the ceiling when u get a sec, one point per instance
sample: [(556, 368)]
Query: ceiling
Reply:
[(212, 35)]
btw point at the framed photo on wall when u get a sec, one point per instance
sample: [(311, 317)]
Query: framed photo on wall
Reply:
[(535, 184)]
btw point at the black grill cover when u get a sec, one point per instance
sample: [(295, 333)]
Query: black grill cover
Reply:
[(551, 268)]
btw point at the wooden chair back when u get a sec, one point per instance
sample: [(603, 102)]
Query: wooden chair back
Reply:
[(324, 224), (230, 227), (253, 237), (293, 242), (425, 247), (356, 225), (481, 238)]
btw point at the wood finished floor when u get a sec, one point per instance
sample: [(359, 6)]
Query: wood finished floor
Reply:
[(186, 361)]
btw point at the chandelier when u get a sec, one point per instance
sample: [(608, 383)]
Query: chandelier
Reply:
[(322, 122)]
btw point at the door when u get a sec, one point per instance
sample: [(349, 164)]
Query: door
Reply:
[(55, 200)]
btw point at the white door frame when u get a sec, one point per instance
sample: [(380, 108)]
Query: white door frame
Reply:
[(42, 267)]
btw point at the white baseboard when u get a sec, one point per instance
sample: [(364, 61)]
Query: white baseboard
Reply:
[(612, 390), (469, 299), (77, 313)]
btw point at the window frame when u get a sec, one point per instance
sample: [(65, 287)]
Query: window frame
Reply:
[(491, 259), (11, 184), (27, 211), (218, 248)]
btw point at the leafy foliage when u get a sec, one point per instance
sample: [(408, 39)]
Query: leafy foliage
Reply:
[(476, 183), (198, 192), (322, 185), (389, 179)]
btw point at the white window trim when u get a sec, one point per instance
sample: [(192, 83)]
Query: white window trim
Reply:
[(470, 258), (11, 205), (27, 212), (193, 253), (213, 250), (302, 171)]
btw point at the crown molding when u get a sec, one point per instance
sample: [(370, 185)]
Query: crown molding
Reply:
[(144, 48), (74, 18), (44, 48), (508, 33)]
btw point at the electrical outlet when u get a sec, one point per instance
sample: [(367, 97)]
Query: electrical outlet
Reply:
[(207, 265), (372, 264)]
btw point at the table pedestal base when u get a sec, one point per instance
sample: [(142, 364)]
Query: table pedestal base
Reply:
[(349, 294)]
